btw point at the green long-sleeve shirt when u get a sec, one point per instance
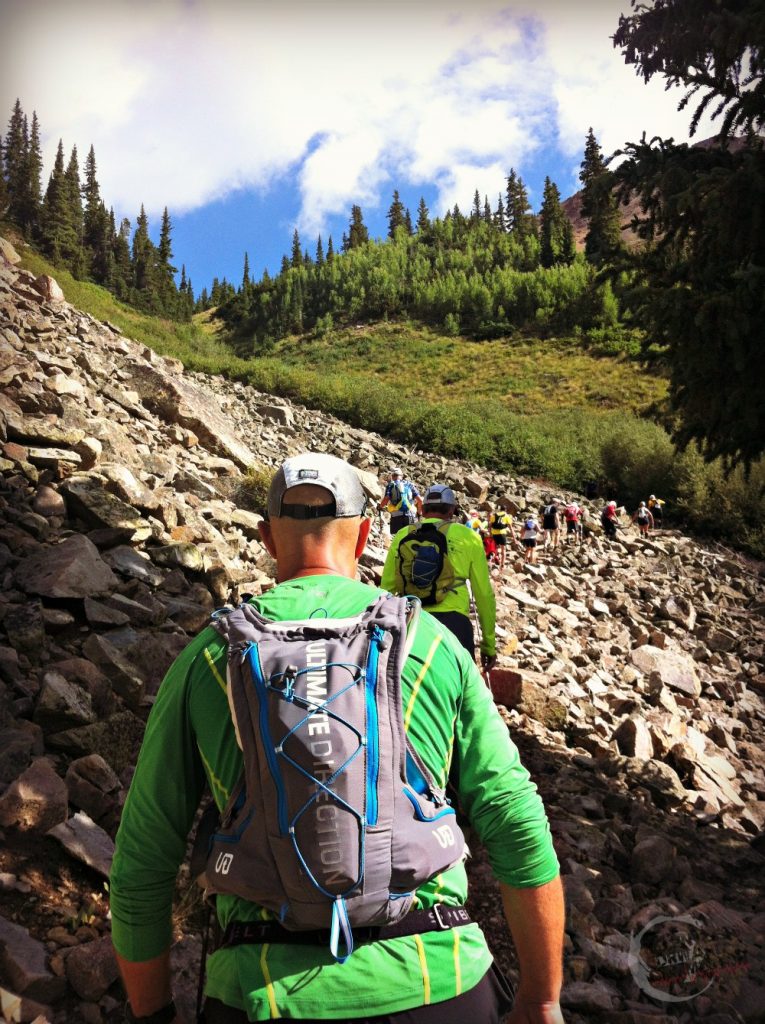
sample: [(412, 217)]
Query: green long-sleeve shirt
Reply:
[(453, 724), (468, 560)]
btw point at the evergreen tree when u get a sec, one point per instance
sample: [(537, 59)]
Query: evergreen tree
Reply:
[(31, 198), (409, 227), (423, 218), (97, 226), (285, 266), (59, 228), (123, 268), (599, 205), (74, 203), (700, 287), (245, 273), (552, 227), (569, 241), (475, 213), (297, 252), (520, 220), (487, 214), (357, 232), (16, 145), (319, 252), (330, 250), (143, 264), (166, 295), (396, 216), (499, 219), (3, 186)]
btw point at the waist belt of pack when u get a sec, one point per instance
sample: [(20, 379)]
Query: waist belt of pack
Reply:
[(439, 918)]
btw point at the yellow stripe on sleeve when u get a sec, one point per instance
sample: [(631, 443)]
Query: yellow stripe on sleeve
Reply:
[(418, 681), (424, 967), (215, 781), (273, 1010), (457, 968), (214, 669)]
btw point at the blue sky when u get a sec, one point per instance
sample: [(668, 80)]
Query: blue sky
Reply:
[(249, 118)]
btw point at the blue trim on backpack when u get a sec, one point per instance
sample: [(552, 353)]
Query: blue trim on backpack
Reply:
[(341, 927), (261, 689), (373, 728), (414, 776), (418, 812)]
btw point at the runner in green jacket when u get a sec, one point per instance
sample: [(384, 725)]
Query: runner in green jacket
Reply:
[(454, 726), (468, 560)]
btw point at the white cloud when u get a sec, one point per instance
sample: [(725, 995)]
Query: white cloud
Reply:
[(185, 100)]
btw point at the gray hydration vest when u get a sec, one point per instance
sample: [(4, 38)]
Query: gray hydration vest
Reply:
[(335, 821)]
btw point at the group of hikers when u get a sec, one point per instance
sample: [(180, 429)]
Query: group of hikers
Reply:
[(338, 727), (498, 529)]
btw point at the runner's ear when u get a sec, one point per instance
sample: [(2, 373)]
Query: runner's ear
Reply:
[(361, 542), (264, 529)]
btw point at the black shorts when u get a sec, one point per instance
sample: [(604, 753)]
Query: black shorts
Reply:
[(550, 523), (500, 539), (485, 1003), (571, 525), (529, 542), (398, 520), (462, 627)]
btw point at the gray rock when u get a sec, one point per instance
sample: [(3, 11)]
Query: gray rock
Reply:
[(91, 969), (675, 669), (16, 748), (652, 860), (137, 565), (86, 498), (23, 965), (72, 568), (93, 787), (35, 801), (115, 739), (183, 556), (178, 400), (634, 738), (122, 673), (587, 997), (25, 629), (62, 704), (83, 839)]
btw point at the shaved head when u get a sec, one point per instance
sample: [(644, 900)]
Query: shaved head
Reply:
[(303, 547)]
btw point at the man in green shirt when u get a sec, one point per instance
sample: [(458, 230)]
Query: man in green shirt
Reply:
[(316, 532), (468, 560)]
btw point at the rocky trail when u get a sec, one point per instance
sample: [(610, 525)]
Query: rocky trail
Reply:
[(630, 675)]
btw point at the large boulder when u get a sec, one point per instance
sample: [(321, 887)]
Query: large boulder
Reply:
[(36, 801), (177, 400), (675, 669), (72, 568)]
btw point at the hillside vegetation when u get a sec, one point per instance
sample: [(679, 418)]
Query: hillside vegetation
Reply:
[(544, 409)]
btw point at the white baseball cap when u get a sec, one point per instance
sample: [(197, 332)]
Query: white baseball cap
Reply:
[(320, 470)]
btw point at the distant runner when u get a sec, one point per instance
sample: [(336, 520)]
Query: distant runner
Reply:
[(572, 513), (434, 561), (643, 518), (551, 524), (402, 500), (529, 534), (609, 520), (656, 505), (501, 527)]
